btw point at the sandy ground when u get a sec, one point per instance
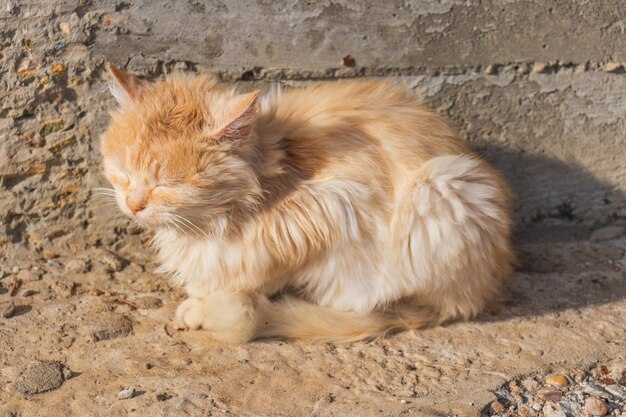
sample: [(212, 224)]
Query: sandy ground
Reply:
[(568, 311)]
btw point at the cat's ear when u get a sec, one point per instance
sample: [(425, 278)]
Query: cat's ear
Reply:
[(239, 117), (125, 87)]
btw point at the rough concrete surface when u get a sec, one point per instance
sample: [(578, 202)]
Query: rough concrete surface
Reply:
[(538, 87)]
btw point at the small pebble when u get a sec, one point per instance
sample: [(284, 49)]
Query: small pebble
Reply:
[(549, 394), (596, 390), (616, 391), (497, 407), (110, 326), (538, 68), (28, 293), (126, 393), (7, 309), (15, 269), (570, 408), (557, 380), (578, 375), (580, 68), (595, 407), (523, 69), (549, 411), (613, 67), (77, 266)]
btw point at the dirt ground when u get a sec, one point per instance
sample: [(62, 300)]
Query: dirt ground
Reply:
[(102, 314)]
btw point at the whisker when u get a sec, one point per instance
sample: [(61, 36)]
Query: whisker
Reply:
[(187, 225), (111, 196), (105, 199), (202, 232), (191, 224), (108, 192), (179, 228), (169, 221)]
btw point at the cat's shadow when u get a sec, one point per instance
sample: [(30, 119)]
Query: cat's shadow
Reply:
[(559, 267)]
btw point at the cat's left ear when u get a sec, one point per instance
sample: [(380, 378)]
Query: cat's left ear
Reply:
[(239, 117), (125, 87)]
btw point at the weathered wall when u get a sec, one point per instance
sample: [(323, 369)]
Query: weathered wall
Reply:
[(537, 86)]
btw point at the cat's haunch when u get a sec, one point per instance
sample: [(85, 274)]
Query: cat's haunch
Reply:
[(335, 212)]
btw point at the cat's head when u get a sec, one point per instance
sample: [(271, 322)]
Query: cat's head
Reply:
[(180, 152)]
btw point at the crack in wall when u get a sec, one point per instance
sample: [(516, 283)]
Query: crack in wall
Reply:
[(303, 74)]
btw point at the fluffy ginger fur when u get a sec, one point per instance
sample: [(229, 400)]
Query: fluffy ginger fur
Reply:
[(335, 212)]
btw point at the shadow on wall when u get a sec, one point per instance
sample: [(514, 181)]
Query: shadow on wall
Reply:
[(559, 266), (552, 192)]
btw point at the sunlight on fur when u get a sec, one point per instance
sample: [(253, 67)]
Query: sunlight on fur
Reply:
[(336, 212)]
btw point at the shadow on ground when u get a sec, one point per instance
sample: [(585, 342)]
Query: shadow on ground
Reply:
[(577, 271)]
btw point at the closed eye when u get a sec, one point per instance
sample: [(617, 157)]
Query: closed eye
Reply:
[(169, 183), (120, 178), (116, 176)]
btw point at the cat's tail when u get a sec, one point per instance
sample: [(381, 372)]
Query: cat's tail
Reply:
[(297, 319)]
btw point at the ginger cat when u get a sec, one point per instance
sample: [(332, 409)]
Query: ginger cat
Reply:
[(335, 212)]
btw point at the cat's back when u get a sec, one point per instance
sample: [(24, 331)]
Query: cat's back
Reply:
[(347, 115)]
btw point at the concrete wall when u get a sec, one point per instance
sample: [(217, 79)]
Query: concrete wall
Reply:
[(537, 86)]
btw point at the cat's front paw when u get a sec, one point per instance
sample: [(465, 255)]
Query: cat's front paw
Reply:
[(190, 314), (230, 317)]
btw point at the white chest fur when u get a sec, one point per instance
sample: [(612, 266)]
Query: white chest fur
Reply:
[(201, 265)]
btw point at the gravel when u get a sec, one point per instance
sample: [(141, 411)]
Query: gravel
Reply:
[(597, 391)]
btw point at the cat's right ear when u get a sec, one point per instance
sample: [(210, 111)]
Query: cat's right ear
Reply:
[(125, 87)]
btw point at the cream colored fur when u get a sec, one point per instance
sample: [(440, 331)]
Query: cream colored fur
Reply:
[(335, 212)]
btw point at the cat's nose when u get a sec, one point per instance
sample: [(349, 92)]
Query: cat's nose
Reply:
[(135, 205)]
